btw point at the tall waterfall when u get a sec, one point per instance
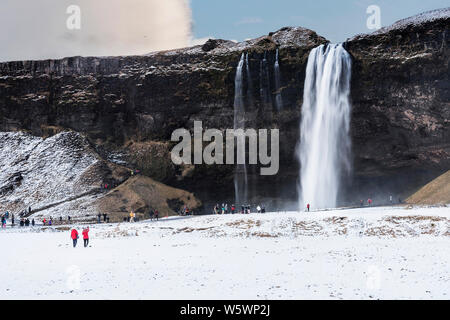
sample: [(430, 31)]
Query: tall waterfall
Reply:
[(324, 151), (278, 98), (240, 175)]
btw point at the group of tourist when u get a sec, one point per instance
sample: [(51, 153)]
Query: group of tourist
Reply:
[(105, 217), (245, 209), (74, 236), (4, 217), (369, 202), (135, 172), (24, 222), (185, 211), (154, 214)]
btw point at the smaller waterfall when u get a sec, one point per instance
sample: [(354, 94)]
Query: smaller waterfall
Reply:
[(264, 81), (239, 96), (278, 98), (240, 175), (249, 82)]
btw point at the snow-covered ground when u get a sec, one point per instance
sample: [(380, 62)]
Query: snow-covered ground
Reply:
[(370, 253)]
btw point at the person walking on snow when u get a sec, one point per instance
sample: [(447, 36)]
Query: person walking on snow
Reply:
[(132, 216), (74, 236), (86, 237), (307, 207), (152, 214)]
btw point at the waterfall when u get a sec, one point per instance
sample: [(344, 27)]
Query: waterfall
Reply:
[(278, 98), (264, 82), (324, 151), (249, 82), (240, 175)]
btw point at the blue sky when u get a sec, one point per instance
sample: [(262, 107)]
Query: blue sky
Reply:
[(336, 20)]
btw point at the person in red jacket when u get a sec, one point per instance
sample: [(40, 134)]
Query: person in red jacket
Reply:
[(74, 236), (86, 236)]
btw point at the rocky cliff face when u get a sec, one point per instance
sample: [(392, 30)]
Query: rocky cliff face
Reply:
[(63, 176), (128, 107), (401, 100)]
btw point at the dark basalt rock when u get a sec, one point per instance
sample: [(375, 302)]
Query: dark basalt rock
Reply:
[(211, 44), (401, 98), (129, 106)]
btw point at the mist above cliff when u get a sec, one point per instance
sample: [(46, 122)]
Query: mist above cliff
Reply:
[(38, 29)]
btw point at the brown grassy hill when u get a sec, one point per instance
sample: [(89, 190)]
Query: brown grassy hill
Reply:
[(140, 193), (435, 192)]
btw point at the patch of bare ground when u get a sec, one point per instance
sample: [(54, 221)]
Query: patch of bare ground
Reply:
[(435, 192), (262, 235), (381, 231), (63, 228), (310, 226), (339, 224), (140, 193), (189, 229), (117, 233), (397, 219), (244, 224), (426, 225), (336, 220)]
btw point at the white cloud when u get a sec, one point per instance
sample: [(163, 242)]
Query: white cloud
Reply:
[(37, 29)]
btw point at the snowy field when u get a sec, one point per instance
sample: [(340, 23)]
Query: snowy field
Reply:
[(370, 253)]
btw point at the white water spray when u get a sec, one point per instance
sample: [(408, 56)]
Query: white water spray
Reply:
[(240, 175), (324, 151)]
